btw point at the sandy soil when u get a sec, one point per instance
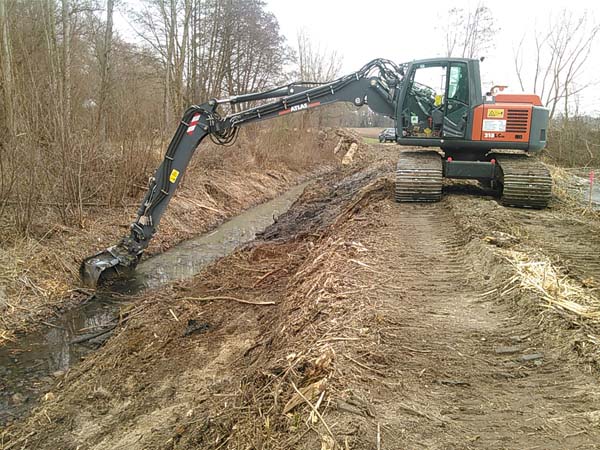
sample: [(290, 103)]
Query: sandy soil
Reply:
[(353, 322)]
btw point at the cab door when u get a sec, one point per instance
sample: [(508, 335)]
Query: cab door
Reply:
[(456, 114), (436, 102), (422, 108)]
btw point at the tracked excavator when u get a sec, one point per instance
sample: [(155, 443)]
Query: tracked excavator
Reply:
[(439, 109)]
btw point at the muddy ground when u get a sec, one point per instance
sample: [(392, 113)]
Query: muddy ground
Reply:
[(355, 322)]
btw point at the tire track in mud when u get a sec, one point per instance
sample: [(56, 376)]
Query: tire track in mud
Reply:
[(459, 359)]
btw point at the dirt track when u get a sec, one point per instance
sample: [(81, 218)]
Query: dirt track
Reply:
[(402, 322), (461, 380)]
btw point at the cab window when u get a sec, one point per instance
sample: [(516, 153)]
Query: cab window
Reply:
[(458, 88)]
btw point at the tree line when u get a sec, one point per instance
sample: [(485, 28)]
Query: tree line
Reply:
[(84, 111)]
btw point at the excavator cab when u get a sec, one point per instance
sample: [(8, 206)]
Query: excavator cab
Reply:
[(436, 101), (440, 104)]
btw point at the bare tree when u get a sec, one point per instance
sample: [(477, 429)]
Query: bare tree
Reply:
[(559, 56), (105, 69), (7, 118), (469, 33), (315, 63), (66, 59), (211, 47), (255, 49), (165, 26)]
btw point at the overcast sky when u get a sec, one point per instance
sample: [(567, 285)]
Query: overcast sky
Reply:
[(405, 30)]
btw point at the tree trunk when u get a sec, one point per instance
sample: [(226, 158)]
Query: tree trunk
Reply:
[(171, 21), (105, 71), (181, 56), (6, 71), (66, 62)]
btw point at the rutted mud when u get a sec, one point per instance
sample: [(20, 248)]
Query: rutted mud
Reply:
[(397, 323)]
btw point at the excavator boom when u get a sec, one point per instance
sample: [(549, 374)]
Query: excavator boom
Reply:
[(375, 84)]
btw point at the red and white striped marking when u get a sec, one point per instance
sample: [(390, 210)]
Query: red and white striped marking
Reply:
[(193, 124)]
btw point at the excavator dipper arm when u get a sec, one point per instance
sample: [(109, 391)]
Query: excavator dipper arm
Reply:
[(192, 129), (375, 84)]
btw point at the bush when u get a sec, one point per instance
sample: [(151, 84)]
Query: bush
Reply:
[(574, 142)]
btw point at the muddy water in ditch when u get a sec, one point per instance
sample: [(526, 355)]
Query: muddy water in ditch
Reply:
[(29, 367)]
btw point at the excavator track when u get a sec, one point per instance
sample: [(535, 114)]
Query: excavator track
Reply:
[(419, 177), (526, 181)]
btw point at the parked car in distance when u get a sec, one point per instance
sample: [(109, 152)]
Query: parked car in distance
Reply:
[(387, 134)]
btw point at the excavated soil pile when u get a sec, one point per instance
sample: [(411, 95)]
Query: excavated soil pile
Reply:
[(352, 323)]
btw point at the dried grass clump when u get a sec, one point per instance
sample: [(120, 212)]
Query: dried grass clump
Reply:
[(570, 310), (563, 186), (555, 290), (28, 283)]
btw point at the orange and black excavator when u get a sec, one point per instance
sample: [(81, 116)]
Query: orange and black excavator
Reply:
[(435, 103)]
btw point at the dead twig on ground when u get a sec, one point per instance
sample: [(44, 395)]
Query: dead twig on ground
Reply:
[(317, 413), (225, 297), (414, 350), (378, 372), (267, 275)]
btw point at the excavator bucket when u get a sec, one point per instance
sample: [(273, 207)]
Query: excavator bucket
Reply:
[(92, 268), (104, 265)]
